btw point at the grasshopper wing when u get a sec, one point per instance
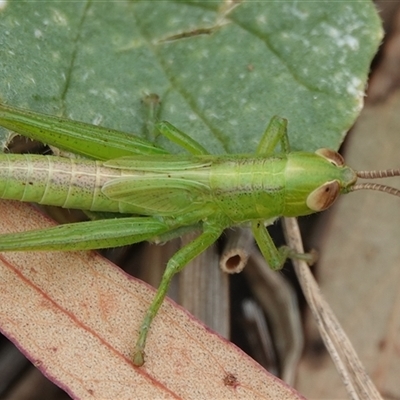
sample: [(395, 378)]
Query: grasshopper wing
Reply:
[(160, 163), (154, 185)]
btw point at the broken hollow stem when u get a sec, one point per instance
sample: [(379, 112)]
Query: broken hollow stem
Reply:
[(236, 250)]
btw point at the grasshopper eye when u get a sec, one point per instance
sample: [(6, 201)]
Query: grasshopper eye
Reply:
[(333, 156), (323, 197)]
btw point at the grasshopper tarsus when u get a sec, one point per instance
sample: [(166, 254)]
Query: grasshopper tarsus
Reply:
[(138, 357)]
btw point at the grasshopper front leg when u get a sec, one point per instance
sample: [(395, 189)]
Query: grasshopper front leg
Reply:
[(276, 257), (177, 262)]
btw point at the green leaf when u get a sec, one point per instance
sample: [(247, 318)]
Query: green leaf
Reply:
[(97, 61)]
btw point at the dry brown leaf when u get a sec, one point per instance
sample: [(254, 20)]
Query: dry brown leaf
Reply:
[(75, 315)]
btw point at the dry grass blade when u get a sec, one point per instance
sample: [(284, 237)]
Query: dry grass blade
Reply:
[(204, 290), (279, 303), (358, 384)]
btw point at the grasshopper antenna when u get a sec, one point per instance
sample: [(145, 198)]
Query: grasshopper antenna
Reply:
[(388, 173)]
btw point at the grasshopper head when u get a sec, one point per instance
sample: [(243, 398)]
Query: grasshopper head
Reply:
[(315, 180)]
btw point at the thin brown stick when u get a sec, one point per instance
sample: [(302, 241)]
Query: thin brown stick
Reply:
[(357, 382)]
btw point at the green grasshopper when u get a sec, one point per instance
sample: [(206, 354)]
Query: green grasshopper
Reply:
[(167, 194)]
